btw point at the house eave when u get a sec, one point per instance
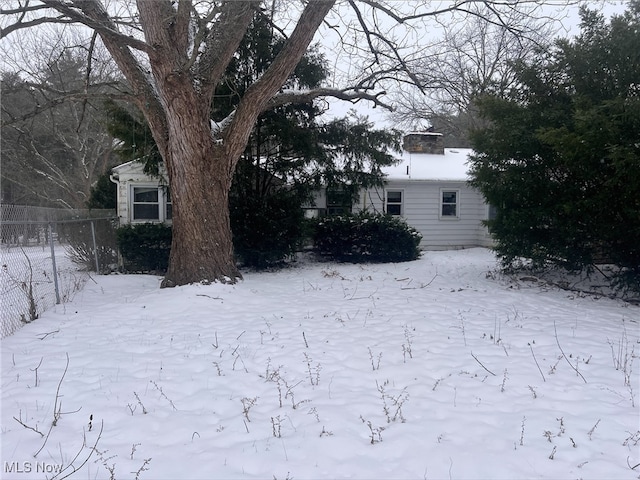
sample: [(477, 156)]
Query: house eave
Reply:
[(426, 180)]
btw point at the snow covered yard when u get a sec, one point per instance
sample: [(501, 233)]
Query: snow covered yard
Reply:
[(432, 369)]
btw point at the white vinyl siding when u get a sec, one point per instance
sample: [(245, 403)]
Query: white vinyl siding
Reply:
[(422, 208)]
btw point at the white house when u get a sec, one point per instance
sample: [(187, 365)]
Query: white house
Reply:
[(428, 188), (140, 198)]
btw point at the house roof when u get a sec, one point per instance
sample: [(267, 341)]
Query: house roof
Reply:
[(428, 166), (130, 166), (452, 166)]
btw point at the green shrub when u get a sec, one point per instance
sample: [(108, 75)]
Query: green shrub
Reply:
[(366, 237), (145, 247), (266, 230)]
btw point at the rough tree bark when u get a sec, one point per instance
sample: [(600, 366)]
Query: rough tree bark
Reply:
[(200, 175), (199, 168)]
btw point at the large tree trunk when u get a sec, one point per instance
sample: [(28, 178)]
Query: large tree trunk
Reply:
[(200, 174), (202, 248)]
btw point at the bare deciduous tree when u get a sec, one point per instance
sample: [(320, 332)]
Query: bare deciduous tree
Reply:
[(54, 157), (174, 53), (472, 58)]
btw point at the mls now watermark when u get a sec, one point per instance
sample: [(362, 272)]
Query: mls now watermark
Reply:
[(32, 467)]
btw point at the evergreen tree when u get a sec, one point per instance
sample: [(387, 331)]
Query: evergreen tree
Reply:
[(561, 158), (103, 194)]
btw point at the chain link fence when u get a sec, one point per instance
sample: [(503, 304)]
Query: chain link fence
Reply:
[(47, 255)]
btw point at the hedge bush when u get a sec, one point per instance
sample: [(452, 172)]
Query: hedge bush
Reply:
[(266, 230), (145, 247), (366, 237)]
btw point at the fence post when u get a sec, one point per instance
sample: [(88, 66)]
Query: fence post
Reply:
[(95, 248), (53, 263)]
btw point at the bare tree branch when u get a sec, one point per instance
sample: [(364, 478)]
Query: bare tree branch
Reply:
[(221, 43), (22, 10), (61, 98), (348, 95), (88, 75), (33, 23), (258, 95), (143, 93), (472, 59), (76, 11)]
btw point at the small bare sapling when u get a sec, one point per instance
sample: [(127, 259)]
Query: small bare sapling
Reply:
[(162, 394), (392, 404), (247, 403), (132, 409), (406, 347), (276, 424), (504, 380), (314, 372), (375, 362), (375, 433), (593, 429)]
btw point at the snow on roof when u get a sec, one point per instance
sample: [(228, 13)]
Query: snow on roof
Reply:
[(427, 166), (418, 132), (123, 167), (451, 166)]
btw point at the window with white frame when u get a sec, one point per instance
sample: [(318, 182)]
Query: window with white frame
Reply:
[(150, 203), (393, 202), (449, 203)]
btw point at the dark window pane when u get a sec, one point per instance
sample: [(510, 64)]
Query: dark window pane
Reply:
[(145, 212), (337, 197), (168, 209), (144, 194), (493, 212), (449, 197), (338, 211), (394, 209), (394, 197), (449, 210)]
